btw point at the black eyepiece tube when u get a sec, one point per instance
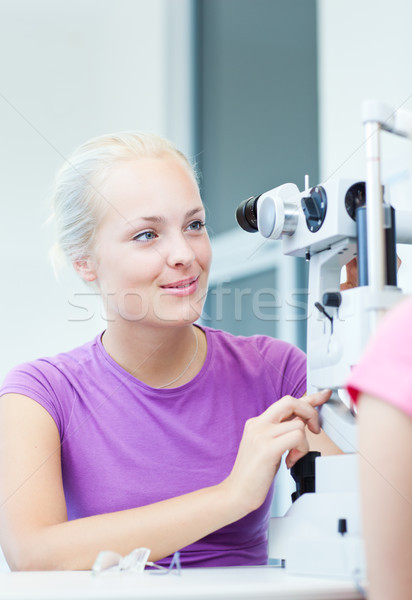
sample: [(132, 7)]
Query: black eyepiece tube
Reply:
[(246, 214), (390, 242), (391, 258)]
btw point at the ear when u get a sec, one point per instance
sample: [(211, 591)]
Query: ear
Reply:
[(86, 268)]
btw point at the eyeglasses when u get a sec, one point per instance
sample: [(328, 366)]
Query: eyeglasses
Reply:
[(135, 562)]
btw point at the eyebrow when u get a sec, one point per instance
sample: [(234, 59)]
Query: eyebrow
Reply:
[(161, 219)]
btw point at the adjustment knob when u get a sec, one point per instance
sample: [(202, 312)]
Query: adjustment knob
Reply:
[(333, 299), (314, 208)]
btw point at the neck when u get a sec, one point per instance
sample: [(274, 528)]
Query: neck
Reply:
[(157, 356)]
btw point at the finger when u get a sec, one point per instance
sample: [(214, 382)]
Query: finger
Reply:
[(279, 429), (297, 444), (294, 455), (288, 408), (317, 398)]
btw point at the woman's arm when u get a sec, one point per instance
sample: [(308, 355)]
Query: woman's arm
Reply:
[(35, 533), (385, 454), (322, 443)]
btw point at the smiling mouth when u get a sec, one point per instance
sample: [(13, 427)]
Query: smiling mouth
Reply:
[(180, 284)]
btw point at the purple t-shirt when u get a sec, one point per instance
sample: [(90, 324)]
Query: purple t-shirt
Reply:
[(125, 444)]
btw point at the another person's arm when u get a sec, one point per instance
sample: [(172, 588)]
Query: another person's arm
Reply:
[(35, 533), (381, 385), (385, 455)]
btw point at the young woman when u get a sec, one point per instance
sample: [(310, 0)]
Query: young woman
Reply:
[(157, 433)]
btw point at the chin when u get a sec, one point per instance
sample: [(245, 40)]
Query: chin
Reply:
[(180, 318)]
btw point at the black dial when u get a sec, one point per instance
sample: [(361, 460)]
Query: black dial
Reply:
[(314, 208)]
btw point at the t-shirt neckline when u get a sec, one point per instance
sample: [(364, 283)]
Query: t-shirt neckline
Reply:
[(163, 391)]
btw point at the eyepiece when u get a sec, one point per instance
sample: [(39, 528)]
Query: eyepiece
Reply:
[(355, 198), (246, 214)]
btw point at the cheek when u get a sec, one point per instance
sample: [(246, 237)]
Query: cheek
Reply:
[(204, 254), (130, 270), (126, 284)]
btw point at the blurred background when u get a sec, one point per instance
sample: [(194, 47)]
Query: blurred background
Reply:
[(256, 92)]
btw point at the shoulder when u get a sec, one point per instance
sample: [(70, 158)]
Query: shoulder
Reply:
[(48, 380), (50, 367), (385, 370), (398, 320), (392, 337)]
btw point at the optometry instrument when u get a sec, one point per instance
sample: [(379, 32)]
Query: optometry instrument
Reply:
[(329, 225)]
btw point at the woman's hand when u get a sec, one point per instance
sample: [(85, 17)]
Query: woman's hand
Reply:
[(279, 429)]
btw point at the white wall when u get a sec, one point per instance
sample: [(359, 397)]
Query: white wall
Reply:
[(365, 51), (70, 71)]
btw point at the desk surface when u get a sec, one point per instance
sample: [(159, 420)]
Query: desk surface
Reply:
[(251, 583)]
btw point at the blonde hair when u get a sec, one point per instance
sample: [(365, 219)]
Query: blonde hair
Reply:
[(77, 202)]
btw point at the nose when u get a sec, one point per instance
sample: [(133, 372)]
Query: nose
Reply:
[(181, 253)]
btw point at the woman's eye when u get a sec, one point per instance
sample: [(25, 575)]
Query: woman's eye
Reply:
[(196, 225), (145, 236)]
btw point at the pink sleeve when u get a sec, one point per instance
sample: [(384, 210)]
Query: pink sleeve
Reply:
[(385, 370)]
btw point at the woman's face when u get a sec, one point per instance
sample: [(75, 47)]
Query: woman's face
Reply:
[(152, 253)]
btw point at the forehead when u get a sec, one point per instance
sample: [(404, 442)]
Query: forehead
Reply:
[(149, 176), (148, 185)]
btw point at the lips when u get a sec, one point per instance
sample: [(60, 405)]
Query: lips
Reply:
[(182, 284), (182, 288)]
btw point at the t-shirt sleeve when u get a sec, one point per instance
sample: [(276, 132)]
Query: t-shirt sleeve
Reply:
[(286, 365), (294, 377), (385, 370), (39, 381)]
